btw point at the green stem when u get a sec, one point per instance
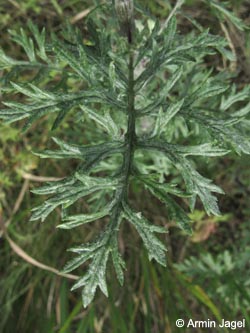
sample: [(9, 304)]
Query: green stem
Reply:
[(130, 138), (130, 135), (124, 13)]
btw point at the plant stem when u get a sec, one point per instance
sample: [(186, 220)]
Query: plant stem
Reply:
[(130, 135)]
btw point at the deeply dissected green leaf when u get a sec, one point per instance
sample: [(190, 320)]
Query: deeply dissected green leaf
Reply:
[(117, 260), (157, 55), (223, 129), (146, 90), (82, 152), (164, 92), (195, 183), (164, 117), (26, 42), (5, 61), (40, 40), (206, 149), (207, 90), (99, 252), (65, 52), (176, 213), (69, 193), (156, 250), (45, 103), (200, 186), (77, 220), (32, 91), (105, 121)]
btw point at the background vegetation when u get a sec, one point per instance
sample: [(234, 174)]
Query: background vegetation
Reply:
[(208, 273)]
